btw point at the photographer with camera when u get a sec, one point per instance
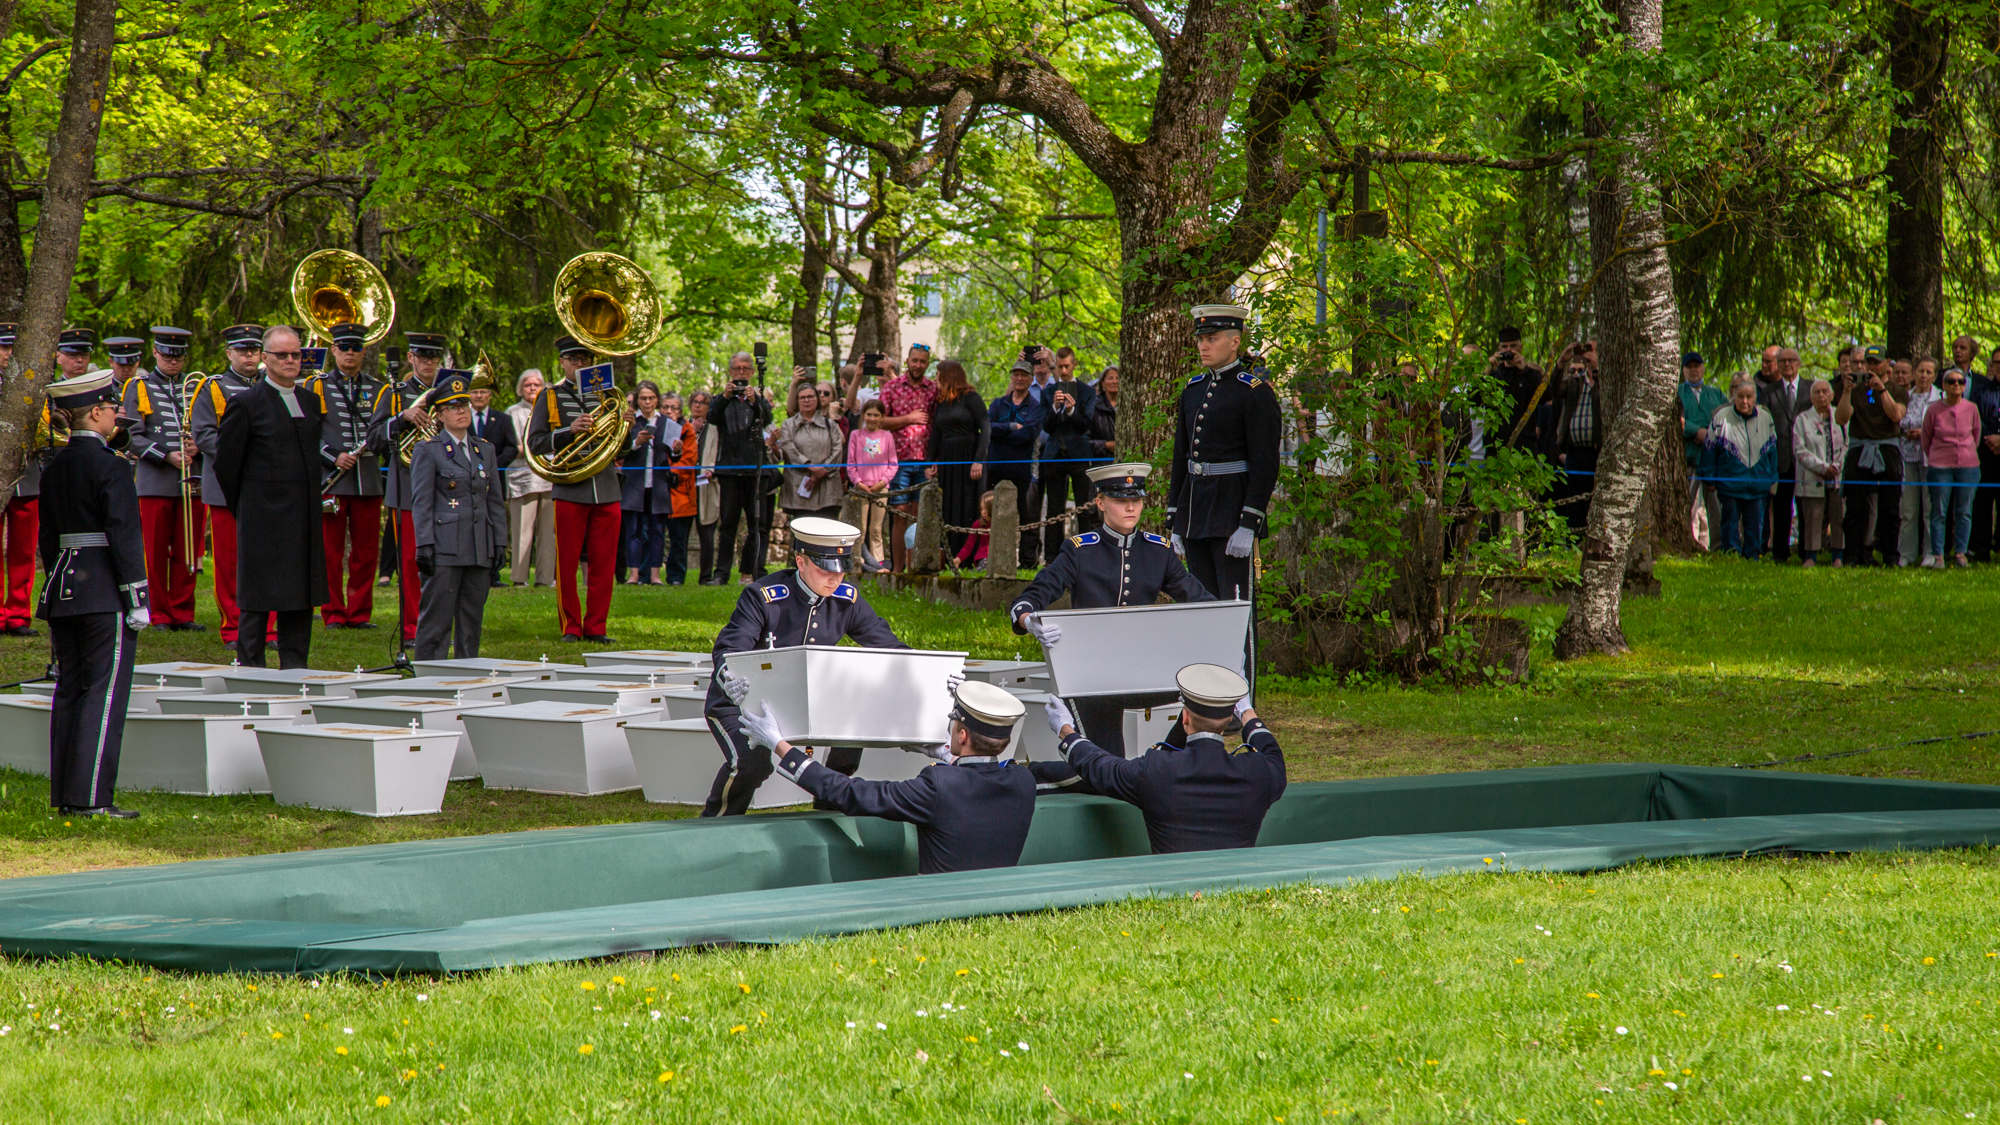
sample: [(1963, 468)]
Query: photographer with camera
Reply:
[(1871, 412), (740, 417), (1065, 458), (908, 399)]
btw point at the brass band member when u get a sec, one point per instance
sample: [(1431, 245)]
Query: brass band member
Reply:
[(23, 517), (352, 522), (460, 515), (124, 352), (164, 445), (398, 407), (587, 513), (244, 345)]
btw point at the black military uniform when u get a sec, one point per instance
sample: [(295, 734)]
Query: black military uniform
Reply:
[(94, 600), (972, 812), (1100, 569), (1195, 799), (1225, 463), (779, 611)]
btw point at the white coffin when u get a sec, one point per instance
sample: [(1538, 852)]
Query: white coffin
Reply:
[(847, 696), (1145, 726), (1009, 674), (182, 673), (1142, 647), (685, 703), (206, 755), (677, 761), (656, 656), (398, 710), (589, 693), (298, 708), (489, 666), (458, 689), (1033, 740), (636, 674), (145, 697), (289, 681), (24, 733), (555, 747), (371, 770)]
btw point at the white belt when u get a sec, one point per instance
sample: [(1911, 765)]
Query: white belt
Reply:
[(1217, 468), (82, 539)]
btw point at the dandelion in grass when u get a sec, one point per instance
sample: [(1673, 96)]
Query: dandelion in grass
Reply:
[(277, 1035), (744, 987), (584, 1049), (382, 1100), (1715, 976), (739, 1029), (972, 1039), (666, 1076), (589, 986), (1656, 1072), (1930, 960), (1592, 996), (409, 1074), (340, 1050), (617, 980), (964, 972)]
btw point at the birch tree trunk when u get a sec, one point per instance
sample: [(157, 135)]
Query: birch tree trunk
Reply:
[(59, 230), (1638, 351)]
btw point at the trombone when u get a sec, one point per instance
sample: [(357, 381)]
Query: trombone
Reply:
[(190, 480), (612, 307)]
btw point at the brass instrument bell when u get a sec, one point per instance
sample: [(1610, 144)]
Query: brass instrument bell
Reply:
[(332, 287)]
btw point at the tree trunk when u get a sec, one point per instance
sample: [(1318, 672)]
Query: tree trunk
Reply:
[(812, 263), (59, 231), (1639, 356), (13, 246), (1919, 42)]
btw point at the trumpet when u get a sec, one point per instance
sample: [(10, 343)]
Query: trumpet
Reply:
[(423, 431)]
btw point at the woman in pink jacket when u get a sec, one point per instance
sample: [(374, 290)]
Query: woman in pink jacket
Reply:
[(1950, 439)]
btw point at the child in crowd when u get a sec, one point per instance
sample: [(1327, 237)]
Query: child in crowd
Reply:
[(974, 551), (871, 465)]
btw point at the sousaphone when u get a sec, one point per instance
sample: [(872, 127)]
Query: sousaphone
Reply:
[(612, 307), (332, 287)]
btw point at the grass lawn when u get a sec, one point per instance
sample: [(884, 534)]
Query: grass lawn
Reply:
[(1411, 1001)]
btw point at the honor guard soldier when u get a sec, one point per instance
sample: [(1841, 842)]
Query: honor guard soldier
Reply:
[(588, 513), (124, 352), (352, 520), (1115, 565), (243, 344), (460, 515), (1225, 463), (170, 507), (972, 810), (1196, 798), (808, 604), (94, 598), (398, 408)]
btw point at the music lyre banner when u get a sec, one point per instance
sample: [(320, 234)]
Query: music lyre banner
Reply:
[(311, 360), (594, 380)]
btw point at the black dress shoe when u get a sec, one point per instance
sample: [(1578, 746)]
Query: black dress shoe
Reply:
[(571, 639), (23, 631), (191, 627), (599, 639), (363, 625), (103, 810), (161, 628)]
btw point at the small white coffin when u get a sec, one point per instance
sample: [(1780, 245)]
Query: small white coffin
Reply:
[(488, 666), (1033, 740), (1146, 726), (636, 674), (398, 710), (677, 761), (656, 656), (298, 708), (206, 755), (456, 689), (685, 703), (1009, 674), (591, 693), (845, 696), (556, 747), (182, 674), (315, 681), (371, 770), (145, 696), (24, 733), (1142, 647)]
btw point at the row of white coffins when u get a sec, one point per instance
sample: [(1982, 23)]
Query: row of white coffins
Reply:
[(383, 745)]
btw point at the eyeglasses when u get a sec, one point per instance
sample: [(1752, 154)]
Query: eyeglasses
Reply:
[(283, 355), (347, 347), (1954, 382)]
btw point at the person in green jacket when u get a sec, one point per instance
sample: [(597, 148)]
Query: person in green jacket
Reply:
[(1699, 402)]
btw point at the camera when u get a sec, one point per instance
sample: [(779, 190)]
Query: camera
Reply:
[(1030, 351)]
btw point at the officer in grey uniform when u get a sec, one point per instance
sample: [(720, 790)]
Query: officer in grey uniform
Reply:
[(353, 495), (162, 442), (459, 509), (244, 344)]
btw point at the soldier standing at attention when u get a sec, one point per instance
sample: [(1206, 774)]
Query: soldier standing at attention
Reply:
[(1225, 462), (1115, 565), (353, 514), (164, 445), (397, 408), (244, 344), (95, 597), (460, 515)]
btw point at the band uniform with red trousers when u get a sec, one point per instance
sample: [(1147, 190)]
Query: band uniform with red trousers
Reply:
[(245, 347), (386, 428), (94, 597), (22, 525), (160, 434), (588, 513), (776, 611), (351, 519)]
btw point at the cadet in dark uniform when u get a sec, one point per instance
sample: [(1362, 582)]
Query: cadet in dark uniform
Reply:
[(245, 347), (351, 525), (972, 810), (1225, 462), (165, 448), (1194, 799), (269, 464), (588, 513), (95, 597), (460, 516), (1116, 565), (398, 407), (807, 604)]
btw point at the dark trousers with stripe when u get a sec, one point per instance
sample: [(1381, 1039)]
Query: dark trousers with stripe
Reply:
[(94, 654), (745, 767)]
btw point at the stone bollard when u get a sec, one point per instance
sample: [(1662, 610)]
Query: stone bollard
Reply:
[(930, 530), (1003, 548)]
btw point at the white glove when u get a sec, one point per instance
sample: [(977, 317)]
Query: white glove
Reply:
[(1242, 705), (1174, 537), (951, 682), (761, 727), (735, 686), (942, 751), (1047, 632), (137, 619), (1240, 542), (1058, 712)]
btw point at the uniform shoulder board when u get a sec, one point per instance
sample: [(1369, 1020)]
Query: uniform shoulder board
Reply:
[(845, 592), (1088, 538), (775, 592), (1198, 377), (1161, 540), (1251, 379)]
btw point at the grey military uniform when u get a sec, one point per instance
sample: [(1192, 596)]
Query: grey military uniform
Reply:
[(349, 427), (385, 429), (547, 439), (460, 518), (153, 400), (207, 423)]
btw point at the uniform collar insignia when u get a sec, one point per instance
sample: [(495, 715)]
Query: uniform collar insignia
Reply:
[(1249, 378), (845, 592), (977, 760)]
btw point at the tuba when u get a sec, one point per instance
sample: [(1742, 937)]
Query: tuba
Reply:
[(613, 308), (332, 287)]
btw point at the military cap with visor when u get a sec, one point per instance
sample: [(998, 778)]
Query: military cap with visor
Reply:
[(1125, 480), (77, 341), (124, 349), (425, 345), (170, 341), (348, 337), (86, 390), (1210, 690), (248, 337), (452, 385), (8, 332), (1219, 318), (828, 543), (987, 709), (570, 345)]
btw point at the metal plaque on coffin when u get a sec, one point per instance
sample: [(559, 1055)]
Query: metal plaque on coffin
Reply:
[(850, 696), (1142, 647)]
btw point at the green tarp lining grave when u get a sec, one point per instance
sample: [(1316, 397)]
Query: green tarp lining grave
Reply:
[(564, 894)]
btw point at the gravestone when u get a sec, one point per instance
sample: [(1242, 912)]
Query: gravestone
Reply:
[(1003, 548)]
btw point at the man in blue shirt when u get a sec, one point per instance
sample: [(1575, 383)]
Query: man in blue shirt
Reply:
[(1016, 421)]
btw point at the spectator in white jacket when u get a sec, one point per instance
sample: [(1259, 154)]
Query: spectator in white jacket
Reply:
[(1819, 447)]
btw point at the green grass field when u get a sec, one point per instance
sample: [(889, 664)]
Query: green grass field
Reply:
[(1484, 998)]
